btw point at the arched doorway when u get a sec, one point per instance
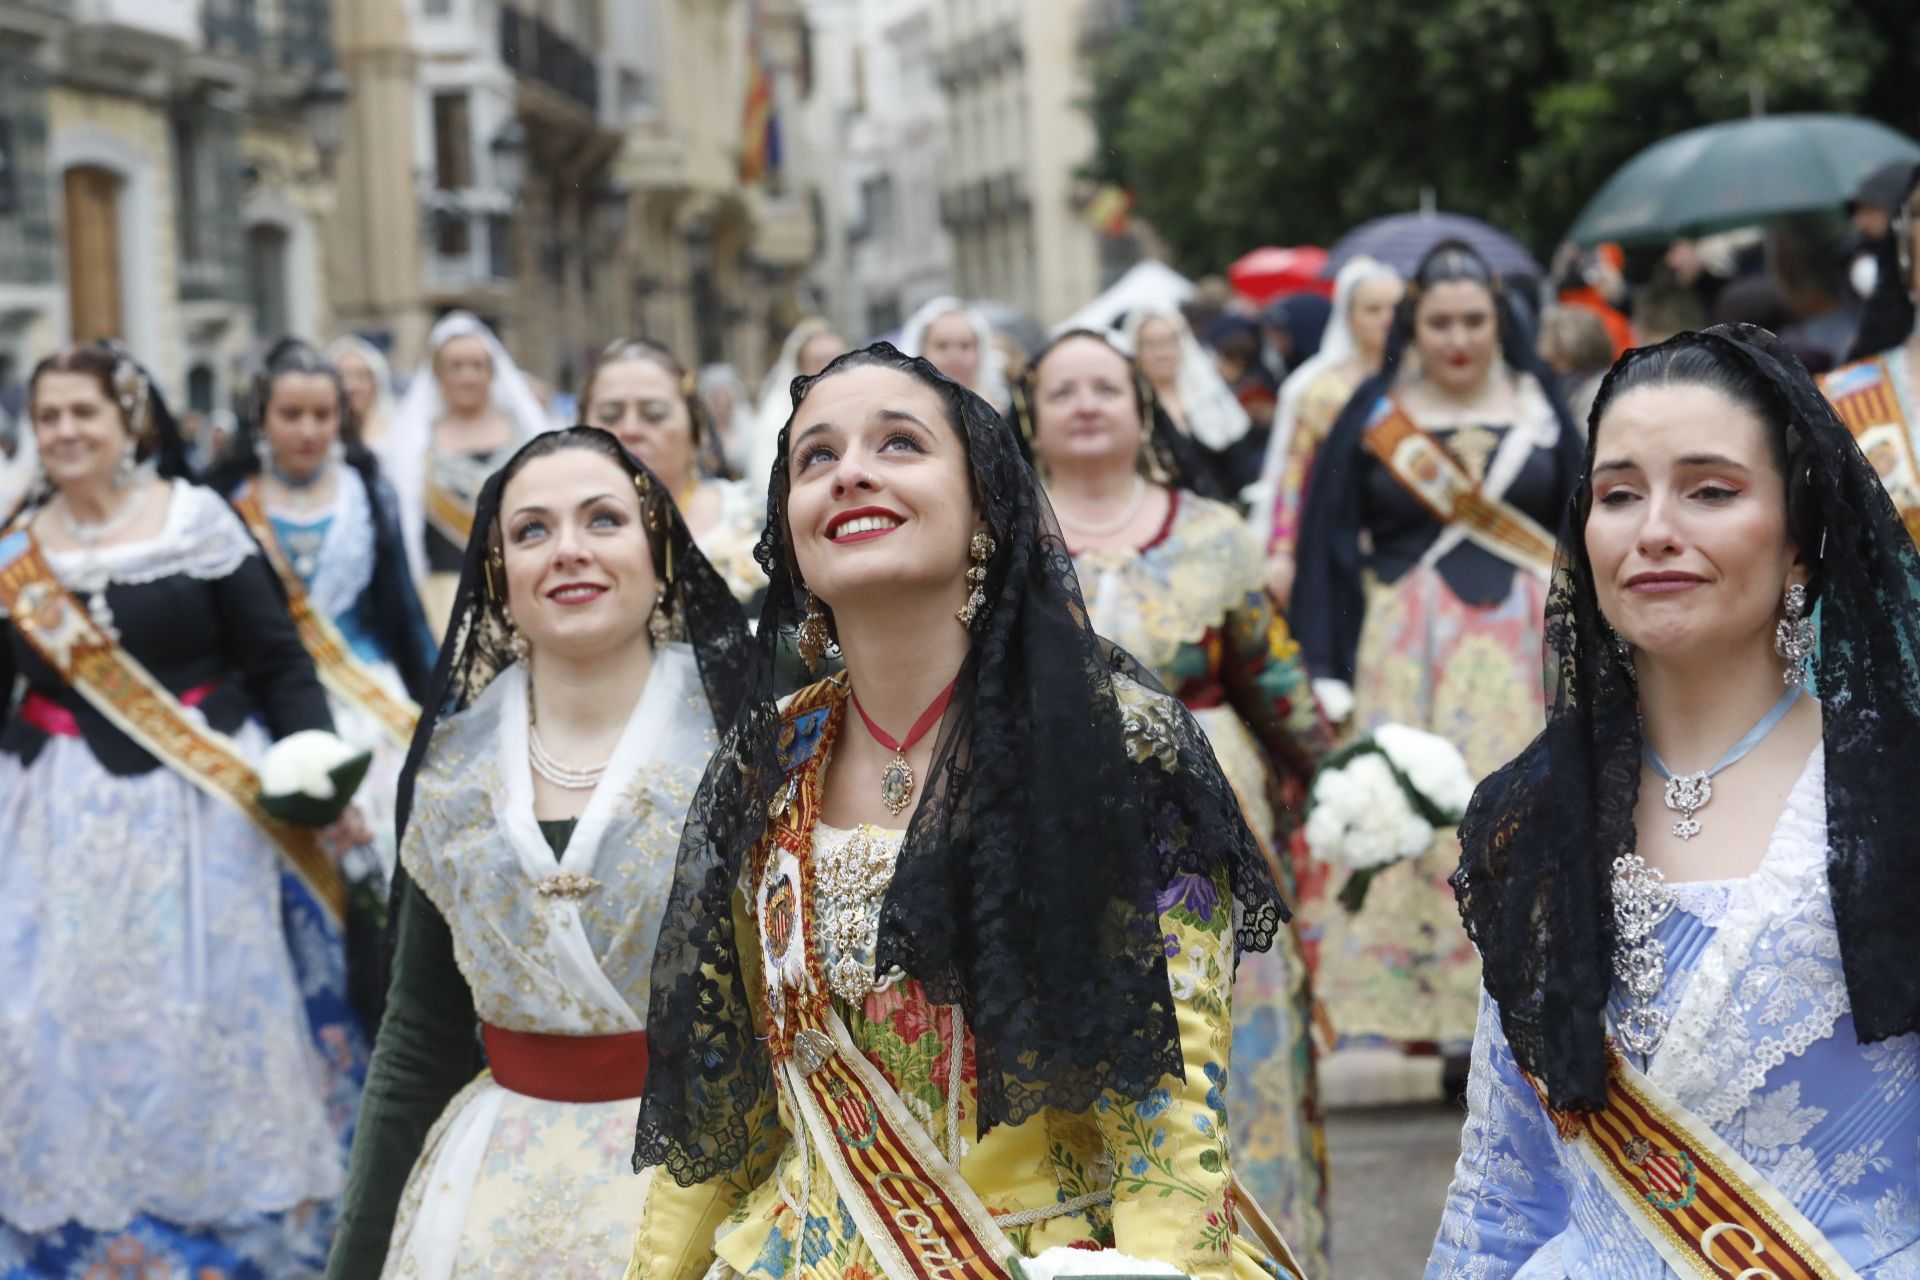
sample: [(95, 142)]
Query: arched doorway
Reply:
[(93, 253)]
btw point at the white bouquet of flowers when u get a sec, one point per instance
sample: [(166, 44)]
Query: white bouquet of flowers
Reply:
[(308, 778), (1380, 801)]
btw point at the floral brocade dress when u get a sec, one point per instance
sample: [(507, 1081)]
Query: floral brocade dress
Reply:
[(1451, 643), (538, 932), (1192, 606), (1150, 1178)]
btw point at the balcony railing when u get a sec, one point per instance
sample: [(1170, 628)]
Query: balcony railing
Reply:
[(534, 49)]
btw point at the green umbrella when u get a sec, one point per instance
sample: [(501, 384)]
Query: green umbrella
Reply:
[(1738, 173)]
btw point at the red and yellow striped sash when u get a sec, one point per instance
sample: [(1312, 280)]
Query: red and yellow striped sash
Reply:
[(1436, 480), (1710, 1214), (96, 667), (342, 673), (918, 1215)]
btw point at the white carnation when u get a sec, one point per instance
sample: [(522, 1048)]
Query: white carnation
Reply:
[(1062, 1261), (1433, 765), (1361, 819), (303, 764), (1335, 698)]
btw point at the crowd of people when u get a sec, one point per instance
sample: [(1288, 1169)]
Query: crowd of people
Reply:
[(873, 815)]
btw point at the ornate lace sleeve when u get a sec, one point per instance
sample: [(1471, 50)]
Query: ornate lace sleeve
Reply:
[(1171, 1175), (1506, 1199), (677, 1228)]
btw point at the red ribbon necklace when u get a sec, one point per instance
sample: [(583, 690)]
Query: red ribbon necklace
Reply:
[(896, 779)]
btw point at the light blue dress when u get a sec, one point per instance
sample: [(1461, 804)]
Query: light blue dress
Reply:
[(1761, 1047)]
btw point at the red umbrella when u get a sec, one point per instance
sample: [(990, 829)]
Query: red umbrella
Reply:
[(1269, 273)]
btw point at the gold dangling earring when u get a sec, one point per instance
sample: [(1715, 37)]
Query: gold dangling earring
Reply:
[(981, 549), (517, 644), (662, 627), (812, 638)]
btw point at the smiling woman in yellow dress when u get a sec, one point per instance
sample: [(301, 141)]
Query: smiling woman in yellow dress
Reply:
[(914, 1008), (596, 657)]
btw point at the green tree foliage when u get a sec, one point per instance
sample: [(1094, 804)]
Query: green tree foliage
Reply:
[(1245, 122)]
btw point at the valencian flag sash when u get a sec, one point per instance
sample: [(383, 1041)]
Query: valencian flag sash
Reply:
[(343, 674), (1435, 478), (1708, 1212), (1865, 397), (913, 1209), (96, 667)]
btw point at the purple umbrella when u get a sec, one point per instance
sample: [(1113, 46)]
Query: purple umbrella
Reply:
[(1401, 239)]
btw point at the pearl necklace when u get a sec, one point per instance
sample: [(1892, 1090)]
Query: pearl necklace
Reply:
[(566, 777), (92, 535), (1109, 528)]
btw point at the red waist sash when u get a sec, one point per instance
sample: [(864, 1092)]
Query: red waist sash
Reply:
[(49, 717), (567, 1068)]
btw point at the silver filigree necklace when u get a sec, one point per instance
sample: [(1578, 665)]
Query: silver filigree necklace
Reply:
[(1689, 793), (1641, 898)]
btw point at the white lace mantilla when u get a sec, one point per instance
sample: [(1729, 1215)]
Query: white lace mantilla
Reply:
[(201, 538)]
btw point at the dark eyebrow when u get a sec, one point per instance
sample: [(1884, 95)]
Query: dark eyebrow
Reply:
[(1713, 460), (1615, 464), (808, 434), (899, 415), (542, 511)]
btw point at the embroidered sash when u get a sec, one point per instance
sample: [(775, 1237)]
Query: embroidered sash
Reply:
[(119, 688), (912, 1207), (448, 512), (1710, 1214), (1435, 478), (343, 674), (1868, 401)]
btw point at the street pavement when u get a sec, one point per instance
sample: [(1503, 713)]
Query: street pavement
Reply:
[(1391, 1143)]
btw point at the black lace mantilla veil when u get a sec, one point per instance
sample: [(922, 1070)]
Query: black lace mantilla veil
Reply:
[(1540, 837), (703, 609), (1025, 889)]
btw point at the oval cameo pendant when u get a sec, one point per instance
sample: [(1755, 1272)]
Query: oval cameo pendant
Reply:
[(896, 784)]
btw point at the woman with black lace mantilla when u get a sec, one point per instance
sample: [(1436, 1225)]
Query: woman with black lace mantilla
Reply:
[(1694, 894), (595, 659), (911, 1012)]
